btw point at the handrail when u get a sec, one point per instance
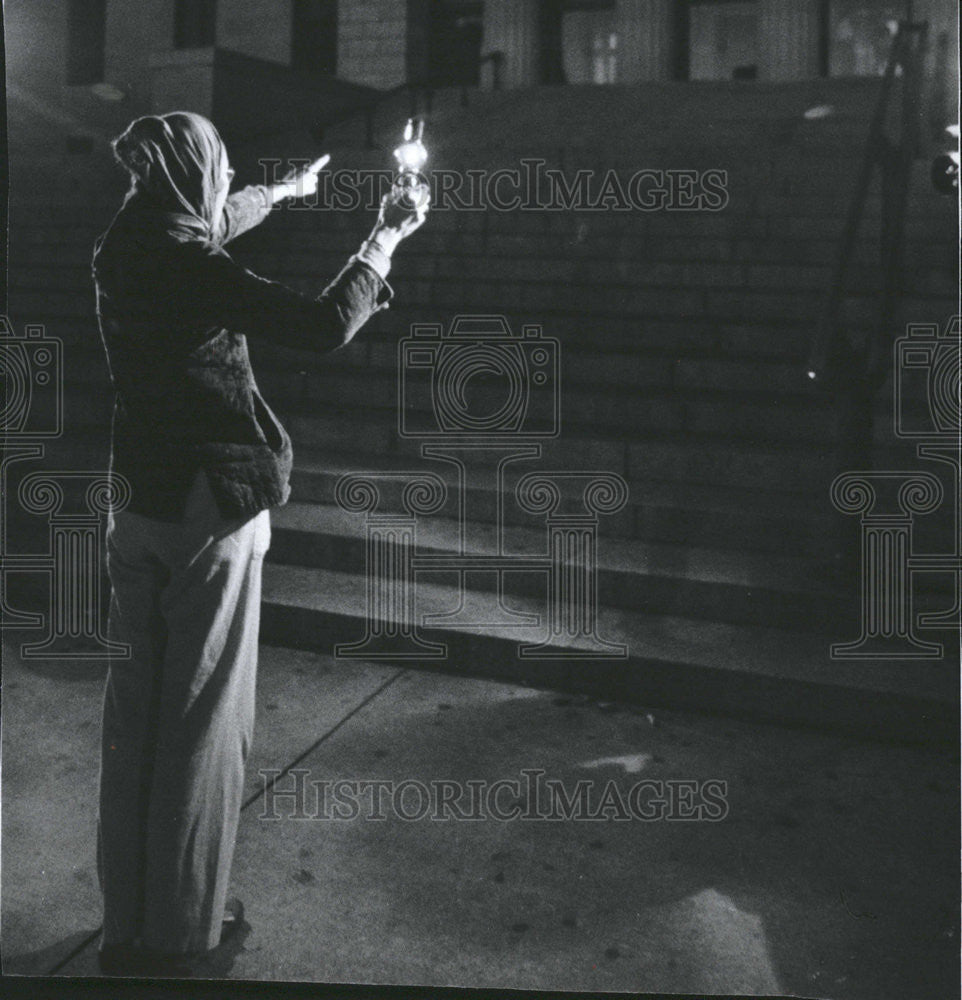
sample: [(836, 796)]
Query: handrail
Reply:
[(894, 159)]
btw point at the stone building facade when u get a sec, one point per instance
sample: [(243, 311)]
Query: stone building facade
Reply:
[(93, 64)]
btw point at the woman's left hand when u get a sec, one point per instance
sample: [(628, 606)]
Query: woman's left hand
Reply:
[(300, 183)]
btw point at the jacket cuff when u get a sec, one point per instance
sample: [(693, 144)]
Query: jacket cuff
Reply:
[(374, 255), (384, 296), (384, 292)]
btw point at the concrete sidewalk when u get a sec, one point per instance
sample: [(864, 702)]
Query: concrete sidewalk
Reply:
[(832, 874)]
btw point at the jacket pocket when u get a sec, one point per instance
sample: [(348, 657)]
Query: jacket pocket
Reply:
[(270, 427), (220, 407)]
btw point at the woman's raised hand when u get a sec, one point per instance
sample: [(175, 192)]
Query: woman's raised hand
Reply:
[(301, 183), (398, 218)]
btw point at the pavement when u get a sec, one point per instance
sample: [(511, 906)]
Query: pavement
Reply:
[(784, 860)]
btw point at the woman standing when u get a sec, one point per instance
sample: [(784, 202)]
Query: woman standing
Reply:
[(205, 459)]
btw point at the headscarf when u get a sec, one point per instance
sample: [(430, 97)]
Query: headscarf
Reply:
[(175, 161)]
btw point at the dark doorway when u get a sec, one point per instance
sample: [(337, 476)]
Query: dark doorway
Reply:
[(550, 37), (314, 36), (454, 42), (723, 40), (577, 41), (716, 40)]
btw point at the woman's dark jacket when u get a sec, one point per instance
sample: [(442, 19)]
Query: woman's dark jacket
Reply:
[(174, 309)]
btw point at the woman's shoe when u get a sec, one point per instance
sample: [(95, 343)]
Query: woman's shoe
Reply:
[(233, 920), (131, 959)]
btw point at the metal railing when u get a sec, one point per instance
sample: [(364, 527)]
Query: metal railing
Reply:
[(832, 360), (855, 370)]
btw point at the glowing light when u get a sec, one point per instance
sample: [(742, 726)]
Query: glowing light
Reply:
[(108, 92), (411, 155), (633, 763)]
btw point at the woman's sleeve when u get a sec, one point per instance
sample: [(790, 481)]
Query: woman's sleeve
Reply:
[(243, 210), (215, 291)]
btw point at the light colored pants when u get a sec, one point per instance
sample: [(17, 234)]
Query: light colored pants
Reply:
[(178, 720)]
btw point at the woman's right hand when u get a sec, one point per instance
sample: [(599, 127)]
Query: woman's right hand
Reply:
[(396, 220)]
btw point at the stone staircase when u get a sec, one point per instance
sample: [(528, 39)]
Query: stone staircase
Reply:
[(682, 339)]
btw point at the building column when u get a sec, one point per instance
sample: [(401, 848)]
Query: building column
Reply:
[(645, 38), (511, 27), (788, 33)]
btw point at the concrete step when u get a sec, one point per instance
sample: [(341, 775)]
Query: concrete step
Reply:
[(696, 458), (751, 672), (717, 515), (763, 520), (712, 584), (706, 460)]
